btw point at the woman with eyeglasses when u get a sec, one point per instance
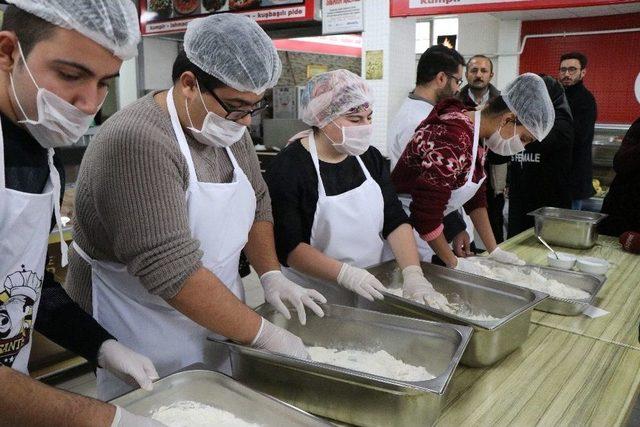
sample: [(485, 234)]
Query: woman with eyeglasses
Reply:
[(442, 167), (335, 210)]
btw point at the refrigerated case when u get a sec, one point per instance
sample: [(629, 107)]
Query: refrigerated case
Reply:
[(606, 143)]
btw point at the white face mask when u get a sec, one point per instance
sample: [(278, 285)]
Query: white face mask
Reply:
[(505, 147), (216, 131), (59, 123), (355, 139)]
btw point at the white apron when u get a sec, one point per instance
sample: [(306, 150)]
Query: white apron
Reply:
[(458, 197), (25, 220), (346, 227), (220, 217)]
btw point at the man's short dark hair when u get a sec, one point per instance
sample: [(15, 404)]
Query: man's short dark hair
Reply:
[(437, 59), (575, 55), (27, 27), (481, 57), (183, 64)]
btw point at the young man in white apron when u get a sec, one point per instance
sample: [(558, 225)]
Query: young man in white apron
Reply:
[(442, 169), (157, 244), (42, 107)]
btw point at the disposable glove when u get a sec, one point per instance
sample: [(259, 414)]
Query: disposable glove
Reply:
[(505, 257), (278, 289), (126, 364), (278, 340), (361, 282), (417, 288), (124, 418)]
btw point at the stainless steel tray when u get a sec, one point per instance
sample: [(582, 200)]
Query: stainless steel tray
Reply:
[(567, 307), (491, 341), (351, 396), (565, 227), (215, 389)]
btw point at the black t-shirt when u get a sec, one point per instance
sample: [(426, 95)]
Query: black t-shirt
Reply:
[(26, 167), (293, 186)]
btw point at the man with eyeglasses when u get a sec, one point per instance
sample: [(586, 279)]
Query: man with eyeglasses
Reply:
[(439, 76), (169, 192), (573, 67)]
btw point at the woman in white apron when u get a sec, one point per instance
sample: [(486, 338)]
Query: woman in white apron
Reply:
[(442, 168), (335, 210)]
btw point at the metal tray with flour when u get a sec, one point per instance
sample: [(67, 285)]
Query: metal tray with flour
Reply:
[(492, 340), (351, 396), (566, 307), (215, 389)]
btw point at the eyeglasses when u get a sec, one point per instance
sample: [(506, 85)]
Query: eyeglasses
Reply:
[(570, 70), (457, 79), (236, 114)]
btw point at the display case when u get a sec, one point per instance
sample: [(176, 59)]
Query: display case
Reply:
[(606, 143)]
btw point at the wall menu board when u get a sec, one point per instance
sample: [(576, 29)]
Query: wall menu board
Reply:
[(171, 16), (439, 7)]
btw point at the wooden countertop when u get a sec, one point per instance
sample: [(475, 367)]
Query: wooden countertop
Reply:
[(571, 370), (620, 295)]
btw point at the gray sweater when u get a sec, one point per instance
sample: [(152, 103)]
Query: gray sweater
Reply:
[(131, 199)]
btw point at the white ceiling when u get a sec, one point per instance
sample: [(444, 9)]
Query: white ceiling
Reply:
[(573, 12)]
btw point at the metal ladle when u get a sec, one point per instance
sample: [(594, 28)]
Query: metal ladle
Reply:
[(548, 247)]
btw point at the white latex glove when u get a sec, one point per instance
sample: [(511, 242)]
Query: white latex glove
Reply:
[(468, 267), (505, 257), (126, 364), (124, 418), (278, 289), (416, 287), (361, 282), (278, 340)]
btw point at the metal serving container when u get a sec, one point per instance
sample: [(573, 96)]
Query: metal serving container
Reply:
[(566, 227), (567, 307), (350, 396), (491, 340), (215, 389)]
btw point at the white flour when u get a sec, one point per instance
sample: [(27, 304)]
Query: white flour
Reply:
[(188, 413), (379, 363), (460, 310), (532, 280)]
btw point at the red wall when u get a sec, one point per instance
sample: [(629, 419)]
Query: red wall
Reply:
[(614, 59)]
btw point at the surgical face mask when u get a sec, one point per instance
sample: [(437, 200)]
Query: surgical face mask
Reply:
[(216, 131), (505, 147), (59, 123), (355, 139)]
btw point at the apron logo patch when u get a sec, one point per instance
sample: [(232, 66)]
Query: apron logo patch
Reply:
[(20, 291)]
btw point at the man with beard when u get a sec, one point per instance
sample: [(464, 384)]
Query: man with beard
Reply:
[(439, 76), (573, 67), (476, 94)]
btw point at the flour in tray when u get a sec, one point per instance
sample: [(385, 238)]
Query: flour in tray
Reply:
[(458, 309), (379, 363), (532, 280), (187, 413)]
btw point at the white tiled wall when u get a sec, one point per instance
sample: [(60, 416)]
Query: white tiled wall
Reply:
[(396, 38)]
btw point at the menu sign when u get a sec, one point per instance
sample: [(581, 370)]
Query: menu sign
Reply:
[(169, 16), (439, 7)]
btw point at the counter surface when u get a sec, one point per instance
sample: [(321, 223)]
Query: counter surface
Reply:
[(571, 370)]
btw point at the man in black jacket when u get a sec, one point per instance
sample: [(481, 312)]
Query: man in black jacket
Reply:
[(539, 176), (622, 203), (476, 94), (573, 67)]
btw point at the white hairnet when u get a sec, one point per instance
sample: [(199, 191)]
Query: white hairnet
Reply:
[(330, 95), (112, 24), (235, 50), (528, 98)]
